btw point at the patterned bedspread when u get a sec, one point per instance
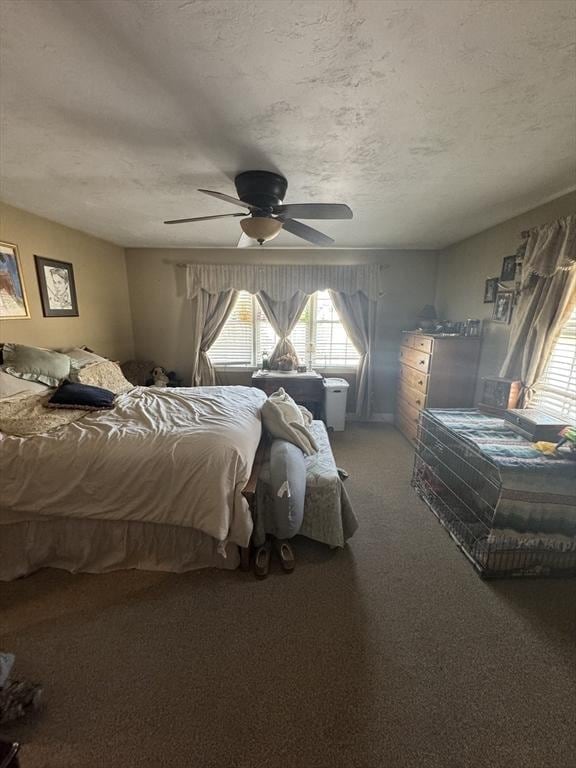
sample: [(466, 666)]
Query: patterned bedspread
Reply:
[(537, 500), (328, 514)]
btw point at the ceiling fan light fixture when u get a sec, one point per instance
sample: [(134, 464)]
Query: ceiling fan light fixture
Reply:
[(261, 228)]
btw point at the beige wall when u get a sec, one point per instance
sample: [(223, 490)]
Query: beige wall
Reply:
[(104, 323), (464, 267), (149, 282), (162, 316)]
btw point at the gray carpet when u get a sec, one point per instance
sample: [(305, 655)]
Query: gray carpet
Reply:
[(391, 653)]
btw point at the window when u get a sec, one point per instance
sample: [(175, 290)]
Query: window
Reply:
[(318, 337), (556, 390)]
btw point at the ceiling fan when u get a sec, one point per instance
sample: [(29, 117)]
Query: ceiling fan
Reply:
[(262, 193)]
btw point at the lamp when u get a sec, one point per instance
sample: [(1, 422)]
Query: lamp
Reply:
[(261, 228)]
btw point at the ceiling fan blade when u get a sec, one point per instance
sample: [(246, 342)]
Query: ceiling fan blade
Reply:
[(228, 199), (245, 241), (204, 218), (314, 211), (305, 232)]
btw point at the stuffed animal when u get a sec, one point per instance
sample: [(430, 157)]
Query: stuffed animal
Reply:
[(159, 377)]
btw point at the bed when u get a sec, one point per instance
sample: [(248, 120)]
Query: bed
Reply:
[(155, 483)]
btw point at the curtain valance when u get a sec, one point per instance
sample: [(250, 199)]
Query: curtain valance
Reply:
[(282, 281), (550, 248)]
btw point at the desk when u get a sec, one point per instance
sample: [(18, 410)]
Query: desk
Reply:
[(305, 388)]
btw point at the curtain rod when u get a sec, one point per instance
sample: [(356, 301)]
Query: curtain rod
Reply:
[(197, 263)]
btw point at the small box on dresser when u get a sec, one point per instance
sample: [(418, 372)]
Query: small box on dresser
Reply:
[(435, 372)]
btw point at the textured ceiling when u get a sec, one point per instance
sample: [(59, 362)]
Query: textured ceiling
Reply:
[(432, 119)]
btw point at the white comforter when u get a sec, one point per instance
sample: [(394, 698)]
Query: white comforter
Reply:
[(174, 456)]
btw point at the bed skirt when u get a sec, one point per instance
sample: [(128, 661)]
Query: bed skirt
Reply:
[(97, 546)]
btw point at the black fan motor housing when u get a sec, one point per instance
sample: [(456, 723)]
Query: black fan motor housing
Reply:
[(261, 188)]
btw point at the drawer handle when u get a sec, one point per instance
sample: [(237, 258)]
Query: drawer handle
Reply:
[(420, 382), (417, 402), (422, 362)]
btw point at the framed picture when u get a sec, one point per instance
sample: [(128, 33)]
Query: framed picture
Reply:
[(490, 290), (13, 304), (508, 268), (503, 306), (57, 288)]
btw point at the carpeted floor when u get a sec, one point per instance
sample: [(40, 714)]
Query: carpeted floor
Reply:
[(392, 653)]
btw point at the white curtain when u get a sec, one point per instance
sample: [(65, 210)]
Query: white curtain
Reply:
[(281, 282), (357, 314), (282, 316), (548, 295), (212, 311)]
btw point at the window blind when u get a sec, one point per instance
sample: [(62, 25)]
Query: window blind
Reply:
[(234, 346), (318, 337), (331, 346), (556, 390)]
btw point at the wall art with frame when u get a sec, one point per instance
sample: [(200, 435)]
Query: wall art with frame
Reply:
[(13, 303), (503, 305), (57, 287)]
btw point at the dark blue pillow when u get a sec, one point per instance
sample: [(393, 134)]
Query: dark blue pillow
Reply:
[(82, 396)]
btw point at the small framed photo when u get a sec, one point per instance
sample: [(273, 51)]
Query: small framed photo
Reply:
[(508, 268), (57, 287), (490, 290), (502, 312), (13, 304)]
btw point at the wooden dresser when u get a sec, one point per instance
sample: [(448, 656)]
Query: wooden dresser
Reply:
[(435, 372)]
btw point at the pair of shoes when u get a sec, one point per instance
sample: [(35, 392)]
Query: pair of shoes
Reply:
[(285, 554), (262, 557)]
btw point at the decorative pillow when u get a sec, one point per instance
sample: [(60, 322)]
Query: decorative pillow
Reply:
[(81, 397), (12, 385), (35, 364), (106, 374), (82, 357)]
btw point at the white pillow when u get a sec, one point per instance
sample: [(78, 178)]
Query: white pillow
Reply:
[(81, 357), (35, 363), (12, 385)]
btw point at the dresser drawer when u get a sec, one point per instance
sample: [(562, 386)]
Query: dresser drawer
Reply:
[(415, 359), (413, 378), (411, 397), (421, 343), (407, 427), (407, 419)]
